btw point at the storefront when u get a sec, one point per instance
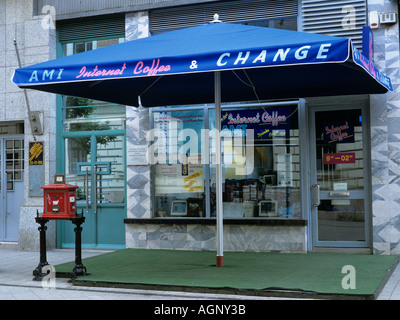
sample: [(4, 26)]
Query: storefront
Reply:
[(319, 177), (301, 192), (100, 128), (299, 183)]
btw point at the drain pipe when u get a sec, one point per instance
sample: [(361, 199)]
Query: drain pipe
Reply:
[(34, 117)]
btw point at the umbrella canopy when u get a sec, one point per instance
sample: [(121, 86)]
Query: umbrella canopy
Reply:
[(177, 68), (211, 63)]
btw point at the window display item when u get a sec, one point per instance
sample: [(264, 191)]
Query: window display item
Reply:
[(195, 207), (178, 208), (268, 208)]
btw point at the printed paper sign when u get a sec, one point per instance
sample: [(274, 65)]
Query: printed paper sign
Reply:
[(137, 155)]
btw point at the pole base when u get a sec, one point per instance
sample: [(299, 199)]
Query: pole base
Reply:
[(38, 274), (220, 261), (79, 270)]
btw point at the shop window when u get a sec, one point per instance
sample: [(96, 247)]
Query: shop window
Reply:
[(260, 162), (261, 173), (179, 170), (80, 114)]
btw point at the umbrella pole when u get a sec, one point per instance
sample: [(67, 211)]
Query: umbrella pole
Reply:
[(218, 182)]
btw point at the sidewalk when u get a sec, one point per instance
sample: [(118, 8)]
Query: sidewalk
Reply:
[(391, 291), (16, 282)]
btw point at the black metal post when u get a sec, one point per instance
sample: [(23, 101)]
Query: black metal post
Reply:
[(79, 269), (38, 274)]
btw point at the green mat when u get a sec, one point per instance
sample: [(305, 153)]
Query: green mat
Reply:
[(243, 273)]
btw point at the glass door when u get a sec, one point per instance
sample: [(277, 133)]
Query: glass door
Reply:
[(11, 186), (340, 206), (92, 153), (95, 163)]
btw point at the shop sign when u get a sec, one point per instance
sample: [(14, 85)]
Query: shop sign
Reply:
[(338, 132), (35, 153), (338, 158), (368, 43), (297, 54), (266, 123)]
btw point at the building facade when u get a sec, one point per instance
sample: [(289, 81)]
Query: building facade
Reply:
[(323, 172)]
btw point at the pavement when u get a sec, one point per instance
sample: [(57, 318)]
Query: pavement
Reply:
[(16, 282)]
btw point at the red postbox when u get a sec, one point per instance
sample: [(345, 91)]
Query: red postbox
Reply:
[(59, 200)]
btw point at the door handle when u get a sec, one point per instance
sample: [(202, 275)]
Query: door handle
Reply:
[(339, 194), (87, 190), (95, 188), (317, 198)]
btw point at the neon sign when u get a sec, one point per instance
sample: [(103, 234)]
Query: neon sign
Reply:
[(338, 132), (266, 123)]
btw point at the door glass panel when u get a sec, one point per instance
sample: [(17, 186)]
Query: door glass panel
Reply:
[(11, 186), (340, 174), (110, 164), (14, 162), (77, 151), (339, 150), (341, 220)]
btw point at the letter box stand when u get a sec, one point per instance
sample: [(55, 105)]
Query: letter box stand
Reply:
[(79, 269)]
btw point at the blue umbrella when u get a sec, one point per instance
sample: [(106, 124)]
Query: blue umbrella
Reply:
[(211, 63), (178, 67)]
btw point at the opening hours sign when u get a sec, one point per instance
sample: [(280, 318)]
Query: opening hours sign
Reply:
[(338, 158)]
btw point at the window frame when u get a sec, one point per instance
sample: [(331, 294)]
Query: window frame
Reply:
[(207, 174)]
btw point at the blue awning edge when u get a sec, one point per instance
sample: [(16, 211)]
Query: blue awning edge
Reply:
[(370, 68)]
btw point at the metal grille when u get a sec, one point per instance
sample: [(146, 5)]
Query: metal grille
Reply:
[(335, 18), (91, 28), (232, 11)]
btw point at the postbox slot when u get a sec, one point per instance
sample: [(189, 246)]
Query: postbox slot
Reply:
[(55, 202)]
